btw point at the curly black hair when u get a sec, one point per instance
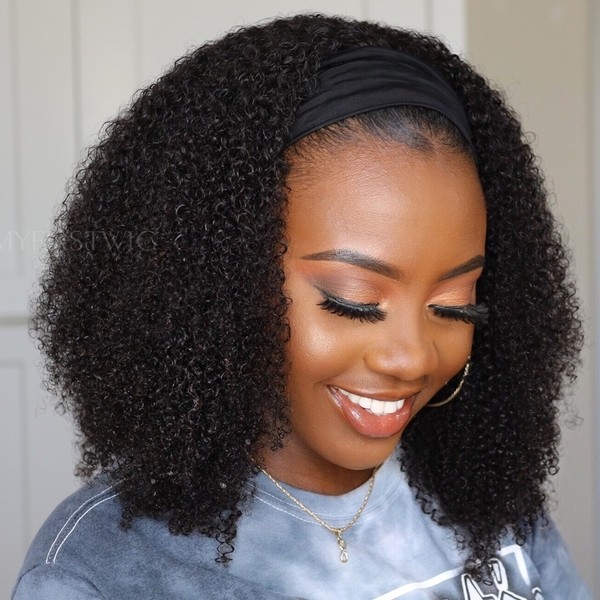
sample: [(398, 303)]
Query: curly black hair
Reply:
[(163, 320)]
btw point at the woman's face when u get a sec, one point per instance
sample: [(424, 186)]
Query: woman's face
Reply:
[(379, 236)]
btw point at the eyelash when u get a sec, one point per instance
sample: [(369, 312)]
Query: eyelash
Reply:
[(368, 313), (475, 314)]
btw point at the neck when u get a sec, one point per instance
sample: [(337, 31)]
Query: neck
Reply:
[(320, 477)]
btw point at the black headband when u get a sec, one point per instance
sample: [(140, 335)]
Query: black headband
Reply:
[(364, 79)]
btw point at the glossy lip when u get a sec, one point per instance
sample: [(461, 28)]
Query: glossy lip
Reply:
[(365, 422)]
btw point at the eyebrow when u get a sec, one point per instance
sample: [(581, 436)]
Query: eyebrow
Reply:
[(477, 262), (380, 267)]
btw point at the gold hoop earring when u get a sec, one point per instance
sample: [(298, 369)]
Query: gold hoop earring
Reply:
[(455, 393)]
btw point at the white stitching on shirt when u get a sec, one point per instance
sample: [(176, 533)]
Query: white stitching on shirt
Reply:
[(77, 522), (52, 557), (71, 516), (299, 517), (366, 516)]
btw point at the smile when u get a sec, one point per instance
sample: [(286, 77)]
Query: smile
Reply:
[(375, 407), (372, 417)]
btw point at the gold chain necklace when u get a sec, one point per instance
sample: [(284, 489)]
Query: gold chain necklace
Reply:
[(337, 531)]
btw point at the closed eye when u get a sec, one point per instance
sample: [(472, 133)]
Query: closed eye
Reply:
[(370, 313), (475, 314)]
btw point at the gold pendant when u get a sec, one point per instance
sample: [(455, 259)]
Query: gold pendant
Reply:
[(342, 546)]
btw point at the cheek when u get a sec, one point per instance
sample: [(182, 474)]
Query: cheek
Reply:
[(454, 347), (315, 350)]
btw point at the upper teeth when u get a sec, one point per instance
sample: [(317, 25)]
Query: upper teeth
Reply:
[(377, 407)]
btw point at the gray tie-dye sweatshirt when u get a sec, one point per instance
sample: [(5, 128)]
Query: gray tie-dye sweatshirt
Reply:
[(395, 551)]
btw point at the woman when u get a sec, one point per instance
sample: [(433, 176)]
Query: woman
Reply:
[(312, 315)]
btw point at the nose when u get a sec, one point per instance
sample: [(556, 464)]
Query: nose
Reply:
[(404, 350)]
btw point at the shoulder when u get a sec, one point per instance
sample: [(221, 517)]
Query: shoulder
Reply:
[(82, 552), (58, 558), (48, 582)]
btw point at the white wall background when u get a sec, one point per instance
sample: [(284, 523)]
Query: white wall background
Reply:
[(66, 66)]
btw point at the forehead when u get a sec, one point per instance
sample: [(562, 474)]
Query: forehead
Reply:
[(401, 205)]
